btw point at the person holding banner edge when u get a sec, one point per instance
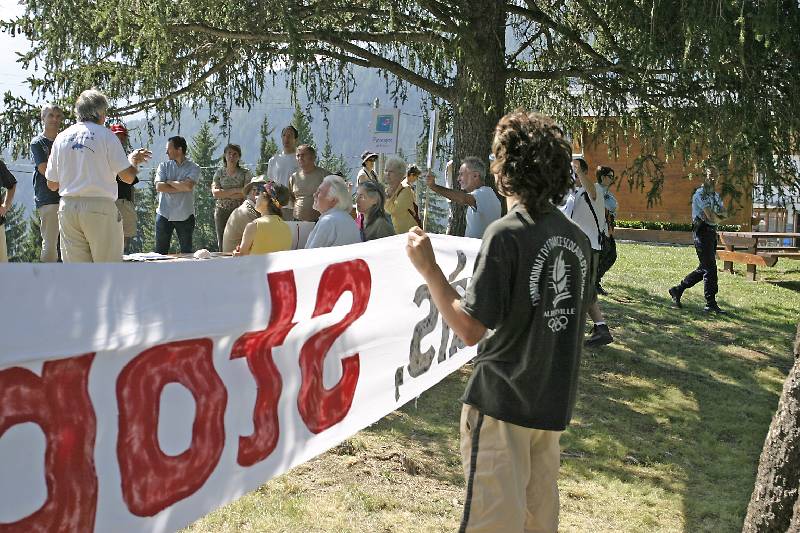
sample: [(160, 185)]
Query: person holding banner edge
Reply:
[(533, 274)]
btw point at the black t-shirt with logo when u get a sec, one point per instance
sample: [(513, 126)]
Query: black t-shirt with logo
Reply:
[(530, 288)]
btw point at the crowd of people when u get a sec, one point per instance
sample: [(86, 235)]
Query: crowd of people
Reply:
[(84, 193), (535, 281), (81, 171)]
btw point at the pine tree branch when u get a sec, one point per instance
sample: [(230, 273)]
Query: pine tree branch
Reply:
[(153, 102), (533, 12), (378, 61), (393, 37)]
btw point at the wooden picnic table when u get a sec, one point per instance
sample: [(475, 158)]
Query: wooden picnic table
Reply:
[(744, 247)]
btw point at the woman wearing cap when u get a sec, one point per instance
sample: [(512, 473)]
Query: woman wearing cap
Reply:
[(226, 188), (372, 221), (367, 171), (269, 233)]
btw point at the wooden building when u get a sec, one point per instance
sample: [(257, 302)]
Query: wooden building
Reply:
[(674, 205)]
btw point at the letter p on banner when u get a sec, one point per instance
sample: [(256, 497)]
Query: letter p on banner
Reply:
[(58, 402)]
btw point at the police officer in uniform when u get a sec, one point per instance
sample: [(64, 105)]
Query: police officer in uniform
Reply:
[(707, 212)]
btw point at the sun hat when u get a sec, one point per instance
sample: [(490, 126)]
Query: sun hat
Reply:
[(367, 155), (252, 183)]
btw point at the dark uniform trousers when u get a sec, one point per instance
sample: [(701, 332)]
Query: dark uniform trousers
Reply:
[(705, 244)]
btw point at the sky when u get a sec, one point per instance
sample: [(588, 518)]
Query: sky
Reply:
[(12, 75)]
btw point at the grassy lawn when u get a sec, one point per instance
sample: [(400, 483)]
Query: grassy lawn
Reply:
[(666, 435)]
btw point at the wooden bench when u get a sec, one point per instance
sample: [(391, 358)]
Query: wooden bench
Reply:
[(742, 247)]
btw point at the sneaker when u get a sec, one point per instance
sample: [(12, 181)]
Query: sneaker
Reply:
[(600, 337), (675, 293), (714, 308), (600, 290)]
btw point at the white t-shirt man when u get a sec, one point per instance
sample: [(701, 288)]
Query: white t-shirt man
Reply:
[(85, 160), (577, 208), (486, 211), (280, 167)]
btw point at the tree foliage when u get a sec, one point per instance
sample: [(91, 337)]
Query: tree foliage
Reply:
[(145, 203), (692, 80), (23, 239), (267, 148), (335, 163), (201, 151), (303, 124)]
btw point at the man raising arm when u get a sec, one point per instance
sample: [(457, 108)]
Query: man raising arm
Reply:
[(483, 207)]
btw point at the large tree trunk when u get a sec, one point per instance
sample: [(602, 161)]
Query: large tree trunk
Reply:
[(479, 89), (775, 496)]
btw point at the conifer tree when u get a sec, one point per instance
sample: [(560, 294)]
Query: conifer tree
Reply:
[(145, 203), (334, 163), (201, 151), (303, 125), (267, 148), (33, 239), (16, 229)]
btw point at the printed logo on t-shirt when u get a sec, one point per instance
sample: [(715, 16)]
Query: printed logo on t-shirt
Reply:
[(562, 286), (78, 140)]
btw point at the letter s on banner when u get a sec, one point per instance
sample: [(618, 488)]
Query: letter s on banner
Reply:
[(319, 407), (151, 479), (257, 346), (59, 403)]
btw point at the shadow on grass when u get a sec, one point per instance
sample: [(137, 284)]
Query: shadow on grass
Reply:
[(673, 403), (790, 285), (430, 425)]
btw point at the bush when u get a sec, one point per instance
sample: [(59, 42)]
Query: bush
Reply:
[(669, 226)]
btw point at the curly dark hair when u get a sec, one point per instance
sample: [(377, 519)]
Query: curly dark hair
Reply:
[(532, 160)]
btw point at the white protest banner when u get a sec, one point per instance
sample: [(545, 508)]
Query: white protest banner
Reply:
[(140, 397), (383, 130)]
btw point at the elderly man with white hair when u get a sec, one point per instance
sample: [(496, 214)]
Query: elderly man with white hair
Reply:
[(335, 226), (84, 163)]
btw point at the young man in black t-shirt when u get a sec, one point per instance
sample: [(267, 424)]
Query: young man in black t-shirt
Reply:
[(526, 304)]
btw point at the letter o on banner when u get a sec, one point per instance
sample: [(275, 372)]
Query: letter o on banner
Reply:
[(151, 479)]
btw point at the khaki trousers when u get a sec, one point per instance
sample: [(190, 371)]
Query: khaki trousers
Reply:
[(91, 230), (127, 211), (511, 474), (48, 226), (3, 250)]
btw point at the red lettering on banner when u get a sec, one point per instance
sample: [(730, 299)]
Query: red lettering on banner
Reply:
[(58, 402), (151, 479), (257, 348), (319, 407)]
